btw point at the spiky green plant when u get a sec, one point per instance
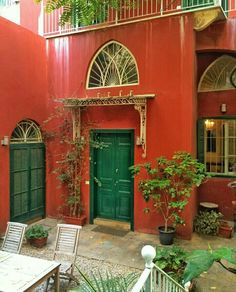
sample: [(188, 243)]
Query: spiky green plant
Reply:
[(106, 283)]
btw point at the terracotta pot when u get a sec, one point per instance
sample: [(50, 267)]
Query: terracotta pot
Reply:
[(75, 220), (38, 242), (225, 231)]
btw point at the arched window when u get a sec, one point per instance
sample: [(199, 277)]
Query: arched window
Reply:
[(219, 75), (113, 65), (26, 131)]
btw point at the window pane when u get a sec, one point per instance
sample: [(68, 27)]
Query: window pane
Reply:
[(220, 146)]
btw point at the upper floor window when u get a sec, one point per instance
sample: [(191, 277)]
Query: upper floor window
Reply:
[(26, 131), (217, 145), (219, 75), (113, 65)]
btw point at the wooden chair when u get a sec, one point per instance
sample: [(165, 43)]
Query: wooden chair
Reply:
[(13, 237), (66, 246)]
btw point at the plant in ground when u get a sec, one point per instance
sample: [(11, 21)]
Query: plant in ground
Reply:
[(168, 184), (184, 266), (105, 283), (172, 260)]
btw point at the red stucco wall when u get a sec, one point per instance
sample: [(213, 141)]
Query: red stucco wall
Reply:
[(29, 15), (23, 93), (164, 51)]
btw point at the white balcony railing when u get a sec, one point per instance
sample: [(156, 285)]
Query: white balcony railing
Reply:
[(154, 279), (10, 9), (137, 10)]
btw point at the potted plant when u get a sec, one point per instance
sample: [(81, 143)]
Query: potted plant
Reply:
[(69, 163), (168, 184), (225, 229), (37, 235), (207, 222)]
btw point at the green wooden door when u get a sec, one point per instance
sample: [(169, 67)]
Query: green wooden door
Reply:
[(113, 185), (27, 181)]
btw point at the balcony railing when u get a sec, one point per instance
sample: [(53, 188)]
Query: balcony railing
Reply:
[(8, 3), (153, 278), (137, 10)]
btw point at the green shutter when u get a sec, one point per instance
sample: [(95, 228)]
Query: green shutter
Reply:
[(200, 140)]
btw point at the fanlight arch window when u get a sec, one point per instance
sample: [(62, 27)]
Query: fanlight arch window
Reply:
[(26, 131), (113, 65), (219, 75)]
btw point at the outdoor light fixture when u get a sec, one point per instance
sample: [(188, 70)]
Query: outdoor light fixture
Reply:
[(209, 124), (5, 141), (223, 108)]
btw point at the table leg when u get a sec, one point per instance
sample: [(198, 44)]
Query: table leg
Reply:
[(57, 280)]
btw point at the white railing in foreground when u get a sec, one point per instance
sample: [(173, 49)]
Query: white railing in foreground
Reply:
[(154, 279), (136, 10)]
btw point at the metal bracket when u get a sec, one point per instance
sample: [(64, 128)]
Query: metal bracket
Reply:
[(142, 109)]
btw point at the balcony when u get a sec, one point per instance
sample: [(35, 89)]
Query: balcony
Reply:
[(10, 9), (205, 12)]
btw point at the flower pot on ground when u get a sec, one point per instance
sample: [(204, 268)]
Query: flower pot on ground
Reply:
[(166, 236), (81, 220), (225, 230), (37, 235), (168, 184)]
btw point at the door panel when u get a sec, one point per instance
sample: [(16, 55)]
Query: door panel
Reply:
[(113, 188), (27, 179)]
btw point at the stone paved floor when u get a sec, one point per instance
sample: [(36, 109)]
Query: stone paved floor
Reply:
[(100, 251)]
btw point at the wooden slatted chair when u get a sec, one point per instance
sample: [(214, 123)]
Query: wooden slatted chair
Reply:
[(65, 251), (13, 237)]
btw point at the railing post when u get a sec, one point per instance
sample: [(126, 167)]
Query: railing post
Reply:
[(148, 252)]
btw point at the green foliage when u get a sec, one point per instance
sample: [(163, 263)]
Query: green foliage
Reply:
[(207, 222), (199, 261), (169, 183), (107, 283), (83, 12), (36, 231), (172, 260)]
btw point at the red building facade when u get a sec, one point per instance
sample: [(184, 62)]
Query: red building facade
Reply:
[(170, 57)]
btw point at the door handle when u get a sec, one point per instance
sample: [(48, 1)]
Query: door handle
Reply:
[(117, 169)]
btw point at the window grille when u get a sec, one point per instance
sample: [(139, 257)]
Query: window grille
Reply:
[(217, 76), (113, 65), (26, 132), (219, 146)]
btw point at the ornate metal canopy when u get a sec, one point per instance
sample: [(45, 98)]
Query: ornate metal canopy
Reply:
[(139, 102)]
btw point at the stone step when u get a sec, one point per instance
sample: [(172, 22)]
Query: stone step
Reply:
[(112, 224)]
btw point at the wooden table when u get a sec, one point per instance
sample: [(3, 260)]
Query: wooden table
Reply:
[(23, 273)]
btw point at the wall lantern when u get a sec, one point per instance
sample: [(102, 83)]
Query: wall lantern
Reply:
[(5, 141), (223, 108), (209, 124)]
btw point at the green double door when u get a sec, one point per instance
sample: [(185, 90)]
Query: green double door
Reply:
[(27, 181), (112, 181)]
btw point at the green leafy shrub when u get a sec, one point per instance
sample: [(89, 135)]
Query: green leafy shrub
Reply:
[(207, 222), (172, 260), (36, 231), (168, 184)]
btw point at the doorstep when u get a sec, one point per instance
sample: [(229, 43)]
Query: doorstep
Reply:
[(112, 224)]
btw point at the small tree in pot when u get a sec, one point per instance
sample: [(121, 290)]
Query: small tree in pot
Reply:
[(168, 183)]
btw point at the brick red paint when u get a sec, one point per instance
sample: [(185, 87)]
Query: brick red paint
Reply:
[(29, 15), (164, 51), (23, 92)]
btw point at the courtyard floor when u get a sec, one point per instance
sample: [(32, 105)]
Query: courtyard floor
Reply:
[(120, 253)]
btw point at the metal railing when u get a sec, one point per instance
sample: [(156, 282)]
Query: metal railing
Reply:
[(8, 3), (154, 279), (136, 10)]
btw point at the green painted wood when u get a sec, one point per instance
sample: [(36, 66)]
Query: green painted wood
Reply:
[(113, 184), (200, 140), (27, 181)]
